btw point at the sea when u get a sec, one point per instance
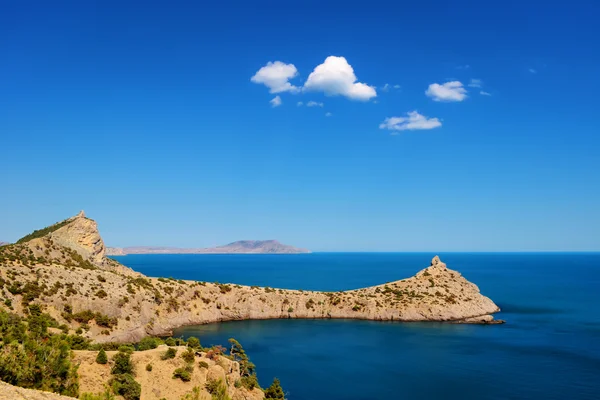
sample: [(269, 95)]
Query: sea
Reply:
[(549, 347)]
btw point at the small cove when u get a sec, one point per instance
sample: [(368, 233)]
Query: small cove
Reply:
[(548, 349)]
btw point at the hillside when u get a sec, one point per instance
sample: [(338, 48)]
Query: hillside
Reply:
[(239, 247)]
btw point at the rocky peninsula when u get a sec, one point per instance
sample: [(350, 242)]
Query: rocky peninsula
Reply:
[(64, 268)]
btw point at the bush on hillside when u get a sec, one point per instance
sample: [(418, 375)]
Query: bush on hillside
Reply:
[(101, 358)]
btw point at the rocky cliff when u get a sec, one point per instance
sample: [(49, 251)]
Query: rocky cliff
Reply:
[(66, 271)]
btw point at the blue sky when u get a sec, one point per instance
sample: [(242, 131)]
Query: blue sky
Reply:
[(149, 118)]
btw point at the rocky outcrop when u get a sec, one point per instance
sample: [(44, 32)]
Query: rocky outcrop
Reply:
[(10, 392), (81, 235), (75, 240)]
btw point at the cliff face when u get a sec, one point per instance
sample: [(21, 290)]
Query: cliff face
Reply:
[(131, 306), (74, 241), (81, 235)]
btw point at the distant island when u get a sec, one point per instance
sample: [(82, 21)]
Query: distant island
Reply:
[(239, 247)]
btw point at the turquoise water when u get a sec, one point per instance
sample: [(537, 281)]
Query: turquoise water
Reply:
[(549, 348)]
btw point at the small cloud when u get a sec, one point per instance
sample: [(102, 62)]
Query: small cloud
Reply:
[(299, 104), (276, 76), (476, 83), (413, 121), (466, 66), (328, 114), (387, 87), (276, 101), (314, 104), (449, 91), (335, 77), (533, 71), (484, 93)]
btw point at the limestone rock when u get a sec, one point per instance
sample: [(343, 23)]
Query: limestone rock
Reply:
[(81, 234), (9, 392)]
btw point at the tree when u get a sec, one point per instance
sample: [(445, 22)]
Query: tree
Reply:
[(123, 364), (275, 391), (239, 354), (193, 342), (101, 357), (147, 343), (126, 386)]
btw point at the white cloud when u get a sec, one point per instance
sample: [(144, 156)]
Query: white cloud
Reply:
[(314, 104), (449, 91), (466, 66), (413, 121), (387, 87), (484, 93), (276, 101), (533, 71), (328, 114), (299, 104), (275, 76), (476, 83), (335, 77)]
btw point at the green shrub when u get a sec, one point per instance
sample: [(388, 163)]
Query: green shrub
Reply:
[(107, 395), (182, 374), (34, 360), (217, 389), (42, 232), (126, 348), (193, 342), (170, 353), (188, 356), (275, 391), (101, 358), (249, 382), (122, 364), (203, 364), (126, 386), (149, 367), (147, 343), (170, 342)]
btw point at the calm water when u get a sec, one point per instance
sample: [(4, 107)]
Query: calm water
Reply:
[(549, 349)]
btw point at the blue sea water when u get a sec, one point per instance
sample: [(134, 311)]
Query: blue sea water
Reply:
[(548, 349)]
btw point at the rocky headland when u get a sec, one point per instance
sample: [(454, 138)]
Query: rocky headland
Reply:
[(64, 268)]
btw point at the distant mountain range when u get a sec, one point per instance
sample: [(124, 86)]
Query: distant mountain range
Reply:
[(239, 247), (4, 243)]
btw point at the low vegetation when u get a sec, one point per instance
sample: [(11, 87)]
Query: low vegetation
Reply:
[(34, 358), (43, 232)]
